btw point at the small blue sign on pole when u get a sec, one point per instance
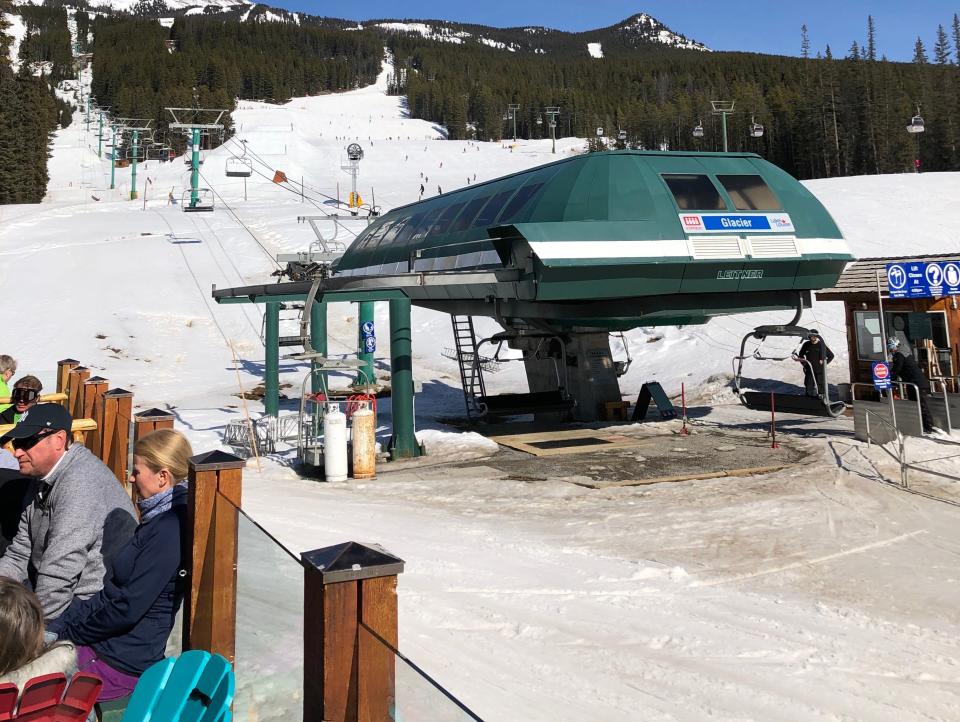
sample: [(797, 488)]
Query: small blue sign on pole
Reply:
[(368, 337), (881, 375), (923, 280)]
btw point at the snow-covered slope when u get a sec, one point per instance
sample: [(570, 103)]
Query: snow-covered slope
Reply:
[(816, 594)]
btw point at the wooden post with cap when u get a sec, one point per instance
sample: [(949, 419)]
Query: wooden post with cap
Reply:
[(64, 367), (150, 420), (93, 390), (349, 633), (210, 609), (115, 432), (76, 378)]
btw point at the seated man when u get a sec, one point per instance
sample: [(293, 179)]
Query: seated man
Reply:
[(25, 393), (78, 519)]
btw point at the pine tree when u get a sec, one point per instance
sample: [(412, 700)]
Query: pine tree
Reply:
[(804, 42), (854, 51), (956, 36), (920, 53), (941, 50), (871, 39)]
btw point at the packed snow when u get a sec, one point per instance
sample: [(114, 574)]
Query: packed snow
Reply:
[(595, 50), (817, 593), (16, 31)]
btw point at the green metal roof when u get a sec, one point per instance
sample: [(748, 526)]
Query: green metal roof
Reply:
[(612, 196)]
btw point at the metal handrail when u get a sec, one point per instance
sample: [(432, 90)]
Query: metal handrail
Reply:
[(903, 397)]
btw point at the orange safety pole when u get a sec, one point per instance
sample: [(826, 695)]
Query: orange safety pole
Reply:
[(773, 423), (683, 401)]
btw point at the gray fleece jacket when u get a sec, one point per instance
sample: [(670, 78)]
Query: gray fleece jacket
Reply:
[(68, 534)]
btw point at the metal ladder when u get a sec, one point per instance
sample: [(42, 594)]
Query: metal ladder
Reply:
[(471, 374)]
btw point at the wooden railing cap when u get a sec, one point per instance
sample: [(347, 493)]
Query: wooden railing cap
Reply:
[(96, 380), (78, 369), (118, 393), (153, 415), (351, 561), (64, 362), (215, 460)]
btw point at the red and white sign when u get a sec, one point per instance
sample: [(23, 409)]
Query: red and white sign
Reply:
[(881, 371), (692, 223)]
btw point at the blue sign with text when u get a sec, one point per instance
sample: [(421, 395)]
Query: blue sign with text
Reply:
[(368, 337), (881, 375), (730, 222), (923, 280)]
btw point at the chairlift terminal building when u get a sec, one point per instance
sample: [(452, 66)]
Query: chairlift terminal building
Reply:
[(563, 254)]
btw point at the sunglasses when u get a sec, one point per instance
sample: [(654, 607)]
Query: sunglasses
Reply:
[(24, 396), (31, 441)]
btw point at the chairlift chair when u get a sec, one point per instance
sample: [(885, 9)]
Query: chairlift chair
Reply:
[(204, 201), (916, 124), (756, 130), (698, 131), (239, 167), (787, 403), (621, 135)]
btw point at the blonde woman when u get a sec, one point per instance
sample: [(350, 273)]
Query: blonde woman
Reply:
[(8, 367), (23, 653), (123, 629)]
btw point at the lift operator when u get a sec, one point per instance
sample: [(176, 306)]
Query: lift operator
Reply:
[(814, 355)]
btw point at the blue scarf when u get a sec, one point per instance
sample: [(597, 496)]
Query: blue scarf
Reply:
[(156, 504)]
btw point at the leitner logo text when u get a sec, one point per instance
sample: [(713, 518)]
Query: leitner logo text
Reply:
[(734, 275)]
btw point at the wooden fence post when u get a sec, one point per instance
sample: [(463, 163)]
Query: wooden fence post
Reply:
[(210, 610), (75, 380), (115, 432), (150, 420), (349, 674), (93, 390), (64, 367)]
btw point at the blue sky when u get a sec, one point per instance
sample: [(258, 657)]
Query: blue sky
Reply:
[(768, 26)]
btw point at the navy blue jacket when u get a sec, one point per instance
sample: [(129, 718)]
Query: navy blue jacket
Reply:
[(127, 623)]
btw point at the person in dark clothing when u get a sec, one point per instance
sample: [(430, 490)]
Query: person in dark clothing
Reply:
[(904, 368), (16, 493), (123, 630), (814, 355)]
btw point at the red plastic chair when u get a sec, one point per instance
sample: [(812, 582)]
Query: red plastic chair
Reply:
[(49, 699)]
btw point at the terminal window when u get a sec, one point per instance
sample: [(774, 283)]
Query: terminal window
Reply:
[(749, 193), (694, 192)]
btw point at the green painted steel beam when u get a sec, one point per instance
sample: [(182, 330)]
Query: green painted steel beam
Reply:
[(318, 339), (403, 443), (271, 396), (365, 315), (328, 297)]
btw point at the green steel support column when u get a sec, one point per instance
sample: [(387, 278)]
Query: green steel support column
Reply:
[(195, 170), (365, 313), (403, 443), (271, 396), (318, 336), (133, 164), (723, 121), (113, 161), (100, 139)]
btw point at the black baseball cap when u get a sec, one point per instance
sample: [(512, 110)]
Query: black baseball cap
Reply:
[(42, 417)]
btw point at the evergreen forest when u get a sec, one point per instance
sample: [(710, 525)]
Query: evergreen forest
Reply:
[(822, 115)]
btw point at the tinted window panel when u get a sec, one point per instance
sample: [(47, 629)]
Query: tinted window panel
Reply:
[(694, 192), (749, 193), (517, 203), (469, 213), (404, 235), (395, 229), (492, 209), (443, 223), (424, 225)]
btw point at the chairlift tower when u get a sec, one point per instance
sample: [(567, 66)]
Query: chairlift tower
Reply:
[(512, 109), (354, 156), (723, 108), (134, 126), (189, 120), (552, 112)]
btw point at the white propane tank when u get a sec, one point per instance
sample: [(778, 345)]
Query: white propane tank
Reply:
[(364, 444), (335, 444)]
